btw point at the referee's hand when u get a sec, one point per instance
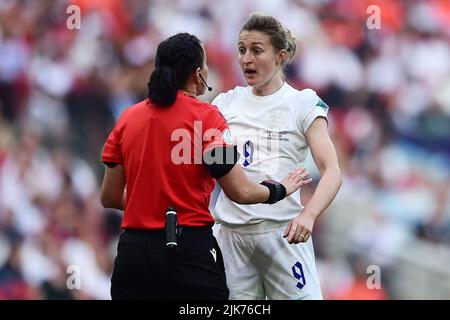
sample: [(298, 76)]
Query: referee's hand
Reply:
[(295, 180)]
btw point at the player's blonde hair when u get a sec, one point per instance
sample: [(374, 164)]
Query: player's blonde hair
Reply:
[(280, 37)]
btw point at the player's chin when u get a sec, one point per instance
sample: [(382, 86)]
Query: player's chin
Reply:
[(251, 81)]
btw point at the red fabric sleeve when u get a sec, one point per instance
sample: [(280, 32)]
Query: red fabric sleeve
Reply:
[(216, 132), (111, 149)]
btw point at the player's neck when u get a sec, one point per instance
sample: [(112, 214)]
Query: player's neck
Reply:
[(268, 88)]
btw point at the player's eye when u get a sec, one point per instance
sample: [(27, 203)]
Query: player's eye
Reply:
[(241, 50)]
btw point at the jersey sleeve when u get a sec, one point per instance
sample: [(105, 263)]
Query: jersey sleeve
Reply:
[(312, 108), (111, 150), (216, 132)]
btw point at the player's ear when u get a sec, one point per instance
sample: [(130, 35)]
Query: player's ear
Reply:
[(282, 56)]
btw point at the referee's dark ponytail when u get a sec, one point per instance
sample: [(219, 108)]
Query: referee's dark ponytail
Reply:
[(162, 88), (176, 58)]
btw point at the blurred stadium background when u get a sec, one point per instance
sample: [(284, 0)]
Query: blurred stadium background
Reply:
[(389, 91)]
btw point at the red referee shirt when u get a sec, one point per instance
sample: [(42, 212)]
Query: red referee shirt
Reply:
[(163, 160)]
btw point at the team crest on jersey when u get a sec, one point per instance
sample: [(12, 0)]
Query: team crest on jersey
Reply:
[(276, 120), (227, 136)]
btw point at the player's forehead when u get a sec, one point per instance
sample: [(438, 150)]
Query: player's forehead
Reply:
[(253, 37)]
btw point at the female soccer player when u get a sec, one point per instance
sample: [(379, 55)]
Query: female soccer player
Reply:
[(167, 150), (268, 250)]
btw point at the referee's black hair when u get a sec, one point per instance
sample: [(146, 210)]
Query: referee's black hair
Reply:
[(176, 58)]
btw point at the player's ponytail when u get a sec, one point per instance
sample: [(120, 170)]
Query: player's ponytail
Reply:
[(291, 46), (176, 59)]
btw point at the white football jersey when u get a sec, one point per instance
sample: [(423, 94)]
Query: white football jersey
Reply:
[(270, 134)]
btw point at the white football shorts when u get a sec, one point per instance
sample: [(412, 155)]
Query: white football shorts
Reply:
[(261, 264)]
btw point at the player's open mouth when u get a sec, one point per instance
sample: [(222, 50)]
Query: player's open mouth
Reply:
[(249, 72)]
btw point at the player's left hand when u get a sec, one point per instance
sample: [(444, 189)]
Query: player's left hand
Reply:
[(300, 228)]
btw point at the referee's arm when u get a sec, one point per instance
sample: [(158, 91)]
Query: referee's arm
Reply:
[(240, 189), (113, 187)]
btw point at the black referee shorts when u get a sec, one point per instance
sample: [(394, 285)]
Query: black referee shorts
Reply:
[(146, 269)]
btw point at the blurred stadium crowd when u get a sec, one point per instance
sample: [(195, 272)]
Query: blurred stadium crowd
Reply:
[(389, 95)]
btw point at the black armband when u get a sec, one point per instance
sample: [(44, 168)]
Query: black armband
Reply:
[(277, 191), (110, 164), (220, 160)]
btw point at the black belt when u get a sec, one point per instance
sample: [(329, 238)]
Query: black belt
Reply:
[(190, 237)]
